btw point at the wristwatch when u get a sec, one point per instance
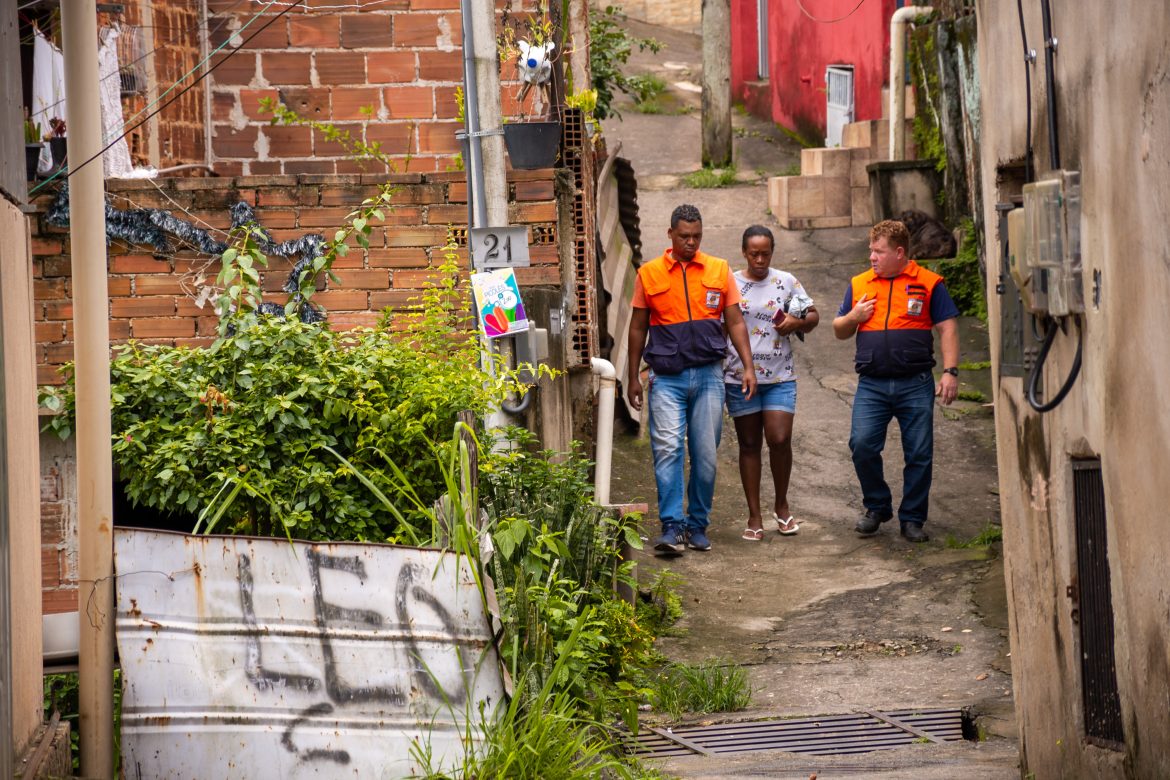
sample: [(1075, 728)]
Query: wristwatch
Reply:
[(952, 371)]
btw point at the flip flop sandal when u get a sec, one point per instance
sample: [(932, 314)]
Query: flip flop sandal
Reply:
[(787, 527), (752, 534)]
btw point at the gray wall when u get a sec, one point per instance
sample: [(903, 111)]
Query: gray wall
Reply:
[(1113, 103)]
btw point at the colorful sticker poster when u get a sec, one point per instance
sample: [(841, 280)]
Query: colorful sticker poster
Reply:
[(497, 298)]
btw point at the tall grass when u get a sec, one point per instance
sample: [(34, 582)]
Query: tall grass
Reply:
[(712, 686)]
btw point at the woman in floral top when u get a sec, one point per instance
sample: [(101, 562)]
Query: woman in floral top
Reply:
[(774, 307)]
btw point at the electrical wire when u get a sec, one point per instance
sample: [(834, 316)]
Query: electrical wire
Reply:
[(804, 11), (1038, 369), (1029, 61), (1050, 83), (184, 90)]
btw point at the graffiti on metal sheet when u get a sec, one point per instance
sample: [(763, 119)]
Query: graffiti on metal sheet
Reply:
[(319, 651)]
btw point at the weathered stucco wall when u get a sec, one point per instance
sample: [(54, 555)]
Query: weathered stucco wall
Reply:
[(685, 15), (19, 472), (1113, 107)]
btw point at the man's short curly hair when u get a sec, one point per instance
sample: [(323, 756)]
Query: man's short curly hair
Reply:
[(893, 231), (685, 213)]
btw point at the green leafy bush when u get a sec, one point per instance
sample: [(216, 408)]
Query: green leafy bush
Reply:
[(249, 419)]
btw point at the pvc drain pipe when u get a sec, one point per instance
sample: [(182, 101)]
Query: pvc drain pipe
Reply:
[(605, 371), (898, 24)]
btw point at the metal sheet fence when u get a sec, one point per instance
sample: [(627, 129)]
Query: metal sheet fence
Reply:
[(263, 658)]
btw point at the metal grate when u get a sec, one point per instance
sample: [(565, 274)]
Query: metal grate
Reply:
[(1099, 694), (577, 155), (824, 736)]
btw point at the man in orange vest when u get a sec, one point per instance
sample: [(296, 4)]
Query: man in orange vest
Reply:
[(683, 300), (892, 308)]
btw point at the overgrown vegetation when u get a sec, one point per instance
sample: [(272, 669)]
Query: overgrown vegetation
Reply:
[(926, 128), (711, 178), (609, 51), (240, 430), (964, 275)]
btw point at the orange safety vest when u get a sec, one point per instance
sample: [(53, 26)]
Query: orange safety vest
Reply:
[(897, 340), (686, 303)]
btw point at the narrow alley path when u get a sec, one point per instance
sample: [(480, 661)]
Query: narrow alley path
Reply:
[(824, 622)]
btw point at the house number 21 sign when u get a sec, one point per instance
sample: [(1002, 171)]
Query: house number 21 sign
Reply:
[(500, 247)]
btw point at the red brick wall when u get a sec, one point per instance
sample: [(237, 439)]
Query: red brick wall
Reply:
[(154, 297), (400, 58)]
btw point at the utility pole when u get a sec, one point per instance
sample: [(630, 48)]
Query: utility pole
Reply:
[(717, 83), (487, 180), (91, 354), (489, 184)]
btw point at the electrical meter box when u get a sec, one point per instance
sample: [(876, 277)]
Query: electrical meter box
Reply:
[(1051, 246)]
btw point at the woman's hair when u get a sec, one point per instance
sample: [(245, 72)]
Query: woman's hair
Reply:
[(757, 230)]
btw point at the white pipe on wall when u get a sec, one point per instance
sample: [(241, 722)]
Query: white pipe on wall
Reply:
[(605, 371), (898, 24)]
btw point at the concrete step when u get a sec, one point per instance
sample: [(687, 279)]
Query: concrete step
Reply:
[(804, 202)]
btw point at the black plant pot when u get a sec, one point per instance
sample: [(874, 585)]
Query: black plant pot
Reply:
[(32, 155), (59, 147), (532, 144)]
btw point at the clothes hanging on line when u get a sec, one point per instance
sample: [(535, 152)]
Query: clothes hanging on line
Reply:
[(116, 160), (48, 91)]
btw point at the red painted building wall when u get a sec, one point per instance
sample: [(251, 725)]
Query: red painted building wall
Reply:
[(799, 50)]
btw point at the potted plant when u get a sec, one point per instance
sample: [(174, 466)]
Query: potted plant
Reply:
[(532, 144), (58, 146), (32, 148)]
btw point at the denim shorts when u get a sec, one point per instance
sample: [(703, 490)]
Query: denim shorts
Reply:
[(775, 397)]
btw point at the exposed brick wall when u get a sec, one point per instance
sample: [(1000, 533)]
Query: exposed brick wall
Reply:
[(154, 298), (400, 59), (176, 31)]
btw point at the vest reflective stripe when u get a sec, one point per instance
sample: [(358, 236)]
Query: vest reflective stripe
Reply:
[(686, 309), (897, 339)]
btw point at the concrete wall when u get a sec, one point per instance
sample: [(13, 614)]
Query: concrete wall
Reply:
[(20, 476), (1113, 105), (684, 15), (800, 49)]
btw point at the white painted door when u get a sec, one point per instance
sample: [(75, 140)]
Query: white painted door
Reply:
[(839, 111)]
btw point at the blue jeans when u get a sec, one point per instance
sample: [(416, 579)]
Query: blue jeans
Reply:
[(686, 408), (909, 400)]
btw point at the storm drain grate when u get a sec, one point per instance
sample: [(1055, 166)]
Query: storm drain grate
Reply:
[(830, 735)]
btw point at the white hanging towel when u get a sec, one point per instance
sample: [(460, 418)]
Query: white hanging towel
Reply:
[(116, 160), (48, 91)]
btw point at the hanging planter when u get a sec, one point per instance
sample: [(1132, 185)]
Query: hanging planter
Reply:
[(532, 145)]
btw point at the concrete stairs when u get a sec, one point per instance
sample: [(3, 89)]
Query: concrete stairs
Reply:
[(832, 190)]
